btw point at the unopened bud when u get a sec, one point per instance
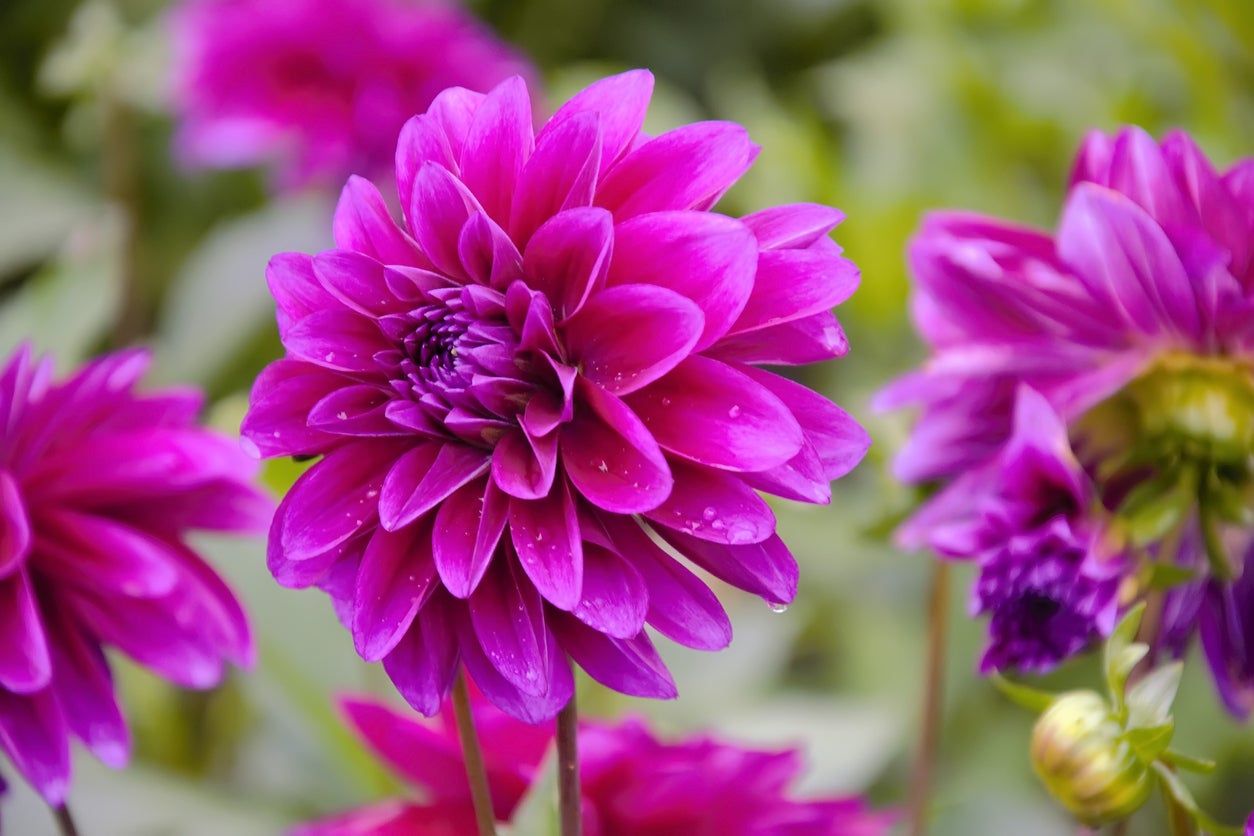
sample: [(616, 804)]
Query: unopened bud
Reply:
[(1078, 754)]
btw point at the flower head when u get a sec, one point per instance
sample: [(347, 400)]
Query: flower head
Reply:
[(632, 783), (99, 484), (320, 88), (554, 358), (1048, 580)]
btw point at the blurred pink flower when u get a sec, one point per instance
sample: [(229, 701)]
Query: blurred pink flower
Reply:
[(320, 88), (555, 356), (632, 783), (98, 486)]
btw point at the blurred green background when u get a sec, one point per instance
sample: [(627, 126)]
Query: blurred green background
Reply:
[(885, 109)]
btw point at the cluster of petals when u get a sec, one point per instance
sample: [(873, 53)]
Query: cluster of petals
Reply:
[(541, 388), (1049, 577), (319, 88), (99, 485), (632, 783), (1154, 253)]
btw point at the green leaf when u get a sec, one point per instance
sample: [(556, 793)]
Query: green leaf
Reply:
[(1149, 742), (1122, 655), (1149, 700), (1180, 760), (1155, 508), (1167, 576), (1178, 792), (1025, 696)]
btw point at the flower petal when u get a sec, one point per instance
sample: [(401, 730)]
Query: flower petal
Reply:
[(508, 698), (468, 526), (498, 142), (615, 599), (569, 256), (545, 532), (561, 174), (283, 394), (424, 661), (34, 736), (794, 284), (508, 618), (394, 579), (766, 569), (15, 535), (714, 505), (629, 666), (619, 102), (793, 226), (419, 481), (363, 224), (25, 662)]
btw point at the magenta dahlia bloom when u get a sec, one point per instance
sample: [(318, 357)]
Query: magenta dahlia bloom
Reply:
[(1048, 575), (99, 484), (320, 88), (632, 783), (1152, 263), (553, 357)]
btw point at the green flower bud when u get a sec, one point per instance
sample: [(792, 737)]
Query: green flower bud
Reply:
[(1202, 407), (1077, 752)]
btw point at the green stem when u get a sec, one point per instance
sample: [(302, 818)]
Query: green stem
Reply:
[(570, 799), (480, 793), (933, 694), (65, 821)]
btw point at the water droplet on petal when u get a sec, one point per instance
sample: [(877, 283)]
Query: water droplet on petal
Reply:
[(734, 412), (775, 606)]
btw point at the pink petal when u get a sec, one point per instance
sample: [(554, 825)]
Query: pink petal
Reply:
[(689, 167), (714, 505), (422, 140), (468, 526), (767, 569), (508, 618), (15, 537), (339, 340), (614, 599), (561, 174), (34, 736), (619, 102), (629, 666), (421, 753), (569, 256), (811, 339), (439, 208), (610, 456), (424, 662), (85, 694), (794, 284), (363, 224), (794, 226), (627, 336), (508, 698), (545, 532), (354, 411), (282, 396), (25, 664), (709, 258), (487, 254), (296, 290), (118, 558), (419, 481), (743, 426), (497, 144), (394, 579), (358, 281), (524, 466)]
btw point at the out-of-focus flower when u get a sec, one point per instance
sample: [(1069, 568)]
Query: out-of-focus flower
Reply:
[(632, 783), (1226, 626), (1135, 324), (320, 88), (1049, 579), (554, 358), (98, 486)]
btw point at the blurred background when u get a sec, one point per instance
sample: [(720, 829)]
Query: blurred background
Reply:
[(885, 109)]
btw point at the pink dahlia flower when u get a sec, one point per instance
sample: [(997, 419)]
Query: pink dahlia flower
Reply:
[(320, 88), (553, 358), (1153, 259), (99, 484), (632, 783)]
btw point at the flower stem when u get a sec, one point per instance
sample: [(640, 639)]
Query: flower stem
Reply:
[(65, 821), (569, 796), (933, 693), (480, 794)]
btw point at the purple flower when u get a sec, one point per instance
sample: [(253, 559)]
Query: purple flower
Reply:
[(99, 484), (1153, 258), (1226, 625), (320, 88), (555, 356), (632, 783), (1048, 580)]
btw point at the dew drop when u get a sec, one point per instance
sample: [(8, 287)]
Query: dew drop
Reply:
[(603, 467), (709, 512), (666, 401), (734, 412), (343, 416), (774, 606)]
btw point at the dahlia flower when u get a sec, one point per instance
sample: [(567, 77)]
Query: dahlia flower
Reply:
[(632, 783), (1048, 576), (320, 88), (1134, 323), (99, 484), (539, 389)]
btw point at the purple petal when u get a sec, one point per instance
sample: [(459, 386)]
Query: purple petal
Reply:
[(339, 340), (422, 140), (619, 102), (25, 664), (358, 281), (794, 226), (569, 256), (468, 526), (296, 290), (561, 174), (119, 559), (615, 599), (363, 224), (524, 466), (743, 426), (34, 736), (419, 481), (424, 662), (766, 569), (394, 579), (811, 339), (714, 505), (497, 144), (487, 254), (629, 666), (15, 538), (709, 258), (439, 208), (508, 618), (422, 754), (795, 284), (508, 698), (85, 694), (545, 533), (610, 456), (283, 394), (627, 336), (355, 411), (689, 167)]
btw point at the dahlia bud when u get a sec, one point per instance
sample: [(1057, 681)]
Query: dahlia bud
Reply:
[(1199, 406), (1079, 755)]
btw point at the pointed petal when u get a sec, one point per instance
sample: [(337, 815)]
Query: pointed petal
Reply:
[(508, 618), (629, 666), (25, 663), (561, 174), (419, 481), (615, 599), (545, 532), (424, 662), (498, 142), (619, 103), (394, 579), (363, 224), (766, 569), (714, 505), (569, 257)]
